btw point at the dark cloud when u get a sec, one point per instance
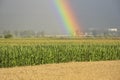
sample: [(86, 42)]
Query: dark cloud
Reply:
[(97, 13), (40, 15)]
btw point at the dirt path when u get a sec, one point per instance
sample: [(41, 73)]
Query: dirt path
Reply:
[(103, 70)]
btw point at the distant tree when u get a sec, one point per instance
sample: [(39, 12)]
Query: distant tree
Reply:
[(27, 33), (1, 36), (118, 33), (8, 36), (94, 33), (16, 33), (42, 34), (106, 34)]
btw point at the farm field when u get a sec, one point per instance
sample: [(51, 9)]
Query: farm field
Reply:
[(100, 70), (25, 52), (60, 59)]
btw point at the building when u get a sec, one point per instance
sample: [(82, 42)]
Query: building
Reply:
[(113, 29)]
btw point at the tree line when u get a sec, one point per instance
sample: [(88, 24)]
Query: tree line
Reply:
[(21, 34)]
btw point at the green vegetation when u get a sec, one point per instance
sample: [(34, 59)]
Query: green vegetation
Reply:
[(8, 36), (21, 52)]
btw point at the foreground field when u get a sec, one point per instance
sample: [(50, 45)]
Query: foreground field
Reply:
[(22, 52), (103, 70)]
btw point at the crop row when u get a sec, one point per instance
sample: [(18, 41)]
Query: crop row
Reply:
[(22, 55)]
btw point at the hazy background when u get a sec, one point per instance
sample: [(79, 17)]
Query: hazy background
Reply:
[(40, 15)]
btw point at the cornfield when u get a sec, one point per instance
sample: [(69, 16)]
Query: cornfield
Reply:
[(22, 52)]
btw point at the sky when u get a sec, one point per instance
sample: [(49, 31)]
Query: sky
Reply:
[(40, 15)]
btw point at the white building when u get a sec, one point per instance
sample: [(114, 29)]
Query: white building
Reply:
[(113, 29)]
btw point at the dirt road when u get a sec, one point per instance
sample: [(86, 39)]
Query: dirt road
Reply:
[(103, 70)]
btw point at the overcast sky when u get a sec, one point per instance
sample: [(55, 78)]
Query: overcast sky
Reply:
[(40, 15)]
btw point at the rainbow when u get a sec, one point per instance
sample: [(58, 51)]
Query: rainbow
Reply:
[(67, 17)]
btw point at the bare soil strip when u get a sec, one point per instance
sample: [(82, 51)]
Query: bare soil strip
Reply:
[(102, 70)]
